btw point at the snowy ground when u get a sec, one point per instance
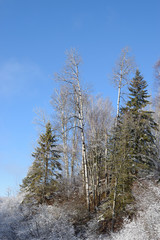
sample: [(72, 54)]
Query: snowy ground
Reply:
[(54, 223)]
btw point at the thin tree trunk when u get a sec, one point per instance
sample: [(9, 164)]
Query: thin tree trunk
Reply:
[(97, 183), (119, 95), (114, 203), (64, 137), (106, 167), (84, 155), (73, 150), (118, 100)]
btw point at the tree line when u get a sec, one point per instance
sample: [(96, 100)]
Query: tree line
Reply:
[(91, 153)]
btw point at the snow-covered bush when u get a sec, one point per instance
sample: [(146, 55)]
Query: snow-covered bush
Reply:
[(49, 222), (9, 217), (21, 222), (147, 223)]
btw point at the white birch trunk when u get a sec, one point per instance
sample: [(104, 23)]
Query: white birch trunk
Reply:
[(84, 156), (64, 137), (74, 146)]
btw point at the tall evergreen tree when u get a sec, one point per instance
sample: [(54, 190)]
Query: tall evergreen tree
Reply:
[(133, 149), (40, 181), (142, 140), (121, 173)]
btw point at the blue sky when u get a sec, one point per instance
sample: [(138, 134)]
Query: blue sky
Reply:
[(34, 37)]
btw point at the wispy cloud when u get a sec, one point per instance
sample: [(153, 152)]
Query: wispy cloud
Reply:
[(15, 77)]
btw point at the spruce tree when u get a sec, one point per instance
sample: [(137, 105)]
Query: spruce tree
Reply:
[(142, 140), (121, 177), (40, 182), (133, 149)]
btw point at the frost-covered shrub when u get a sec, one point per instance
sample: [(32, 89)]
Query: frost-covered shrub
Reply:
[(92, 231), (49, 222), (10, 217), (147, 223), (21, 222)]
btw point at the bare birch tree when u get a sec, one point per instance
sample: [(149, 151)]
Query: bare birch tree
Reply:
[(121, 73), (99, 122), (71, 77)]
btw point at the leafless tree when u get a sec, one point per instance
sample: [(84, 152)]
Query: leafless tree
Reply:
[(71, 77), (121, 73), (99, 122)]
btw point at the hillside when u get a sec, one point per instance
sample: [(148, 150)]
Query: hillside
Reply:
[(18, 221)]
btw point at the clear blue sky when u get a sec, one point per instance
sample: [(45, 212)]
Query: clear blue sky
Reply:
[(34, 35)]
